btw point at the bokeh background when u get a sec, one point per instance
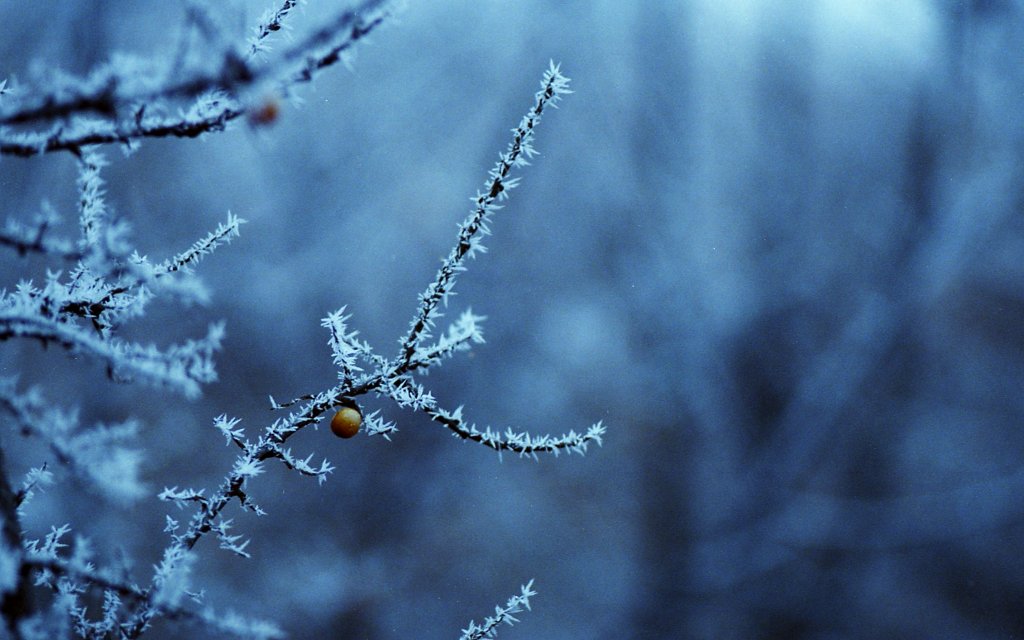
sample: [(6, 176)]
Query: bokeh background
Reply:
[(776, 246)]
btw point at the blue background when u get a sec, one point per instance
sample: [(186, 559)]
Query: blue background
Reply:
[(776, 246)]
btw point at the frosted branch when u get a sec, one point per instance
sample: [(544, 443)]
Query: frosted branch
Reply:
[(127, 100), (271, 22), (553, 86), (518, 442), (35, 237), (109, 285), (220, 236), (489, 629), (75, 575), (182, 367), (35, 479), (96, 455)]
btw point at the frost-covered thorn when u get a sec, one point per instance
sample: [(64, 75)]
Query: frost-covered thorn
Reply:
[(271, 22), (36, 479), (275, 406), (521, 443), (376, 426), (345, 348), (553, 86), (227, 427), (92, 209), (203, 247), (489, 629)]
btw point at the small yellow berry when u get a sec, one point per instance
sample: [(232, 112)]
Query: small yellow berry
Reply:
[(345, 423)]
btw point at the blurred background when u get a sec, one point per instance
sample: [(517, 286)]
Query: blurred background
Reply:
[(776, 246)]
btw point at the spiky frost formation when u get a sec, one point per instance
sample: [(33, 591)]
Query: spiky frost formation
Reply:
[(553, 86), (502, 615)]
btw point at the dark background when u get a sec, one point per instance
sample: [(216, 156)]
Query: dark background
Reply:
[(775, 245)]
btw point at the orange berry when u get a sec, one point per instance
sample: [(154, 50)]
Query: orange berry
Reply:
[(265, 113), (346, 422)]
